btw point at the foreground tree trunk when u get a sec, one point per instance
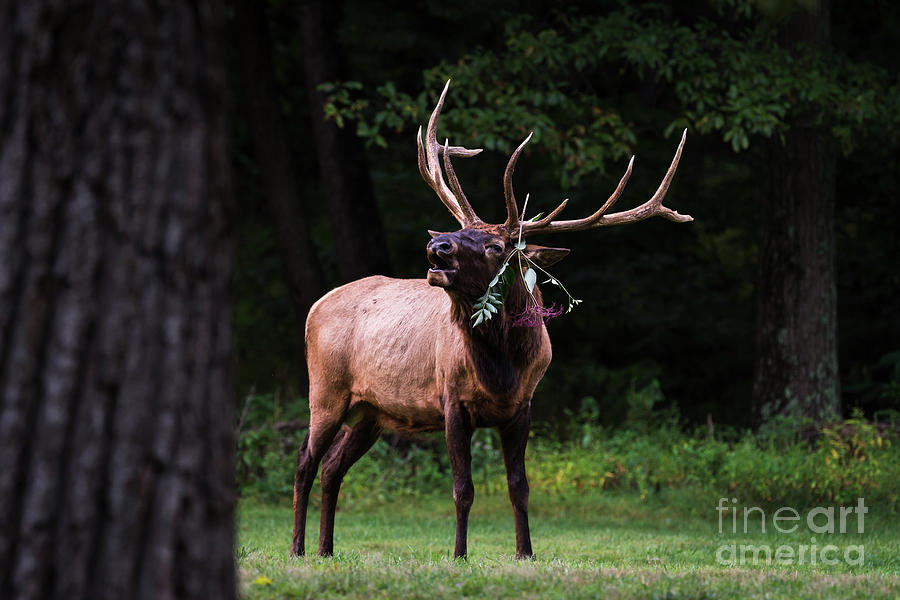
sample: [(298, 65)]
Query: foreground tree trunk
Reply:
[(115, 396), (796, 370), (358, 232)]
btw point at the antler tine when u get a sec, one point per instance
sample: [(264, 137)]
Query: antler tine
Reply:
[(460, 151), (430, 169), (528, 226), (656, 200), (470, 215), (452, 150), (650, 208), (539, 225), (431, 180), (512, 211)]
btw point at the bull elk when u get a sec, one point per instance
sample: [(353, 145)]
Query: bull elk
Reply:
[(402, 354)]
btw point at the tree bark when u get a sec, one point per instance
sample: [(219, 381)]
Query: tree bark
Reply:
[(303, 274), (115, 325), (358, 232), (796, 370)]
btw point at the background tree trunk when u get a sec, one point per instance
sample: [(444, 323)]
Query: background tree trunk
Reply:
[(115, 328), (796, 365), (358, 232), (303, 274)]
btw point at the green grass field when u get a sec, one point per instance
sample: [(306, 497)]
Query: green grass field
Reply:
[(592, 545)]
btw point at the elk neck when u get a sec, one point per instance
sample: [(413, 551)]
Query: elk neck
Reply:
[(500, 352)]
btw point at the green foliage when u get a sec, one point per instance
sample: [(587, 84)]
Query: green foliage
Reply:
[(384, 472), (857, 457), (269, 432), (264, 466), (643, 405), (851, 459), (739, 83), (491, 113), (491, 301)]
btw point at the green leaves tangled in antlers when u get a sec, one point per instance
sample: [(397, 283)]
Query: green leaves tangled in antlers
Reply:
[(491, 302)]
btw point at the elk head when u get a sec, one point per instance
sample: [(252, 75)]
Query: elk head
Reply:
[(464, 262)]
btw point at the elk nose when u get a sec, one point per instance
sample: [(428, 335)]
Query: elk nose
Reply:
[(442, 245)]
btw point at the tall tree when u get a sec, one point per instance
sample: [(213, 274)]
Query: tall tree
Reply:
[(268, 134), (358, 231), (735, 67), (115, 392), (796, 362)]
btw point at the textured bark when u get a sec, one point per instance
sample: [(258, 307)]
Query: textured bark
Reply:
[(115, 395), (358, 232), (303, 274), (796, 370)]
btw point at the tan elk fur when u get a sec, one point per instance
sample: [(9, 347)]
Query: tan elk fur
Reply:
[(391, 346)]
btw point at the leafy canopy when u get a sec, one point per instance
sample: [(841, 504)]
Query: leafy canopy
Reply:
[(562, 81)]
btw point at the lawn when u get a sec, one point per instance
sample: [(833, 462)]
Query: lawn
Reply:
[(596, 544)]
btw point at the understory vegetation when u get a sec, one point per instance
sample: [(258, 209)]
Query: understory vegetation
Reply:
[(624, 512), (652, 453)]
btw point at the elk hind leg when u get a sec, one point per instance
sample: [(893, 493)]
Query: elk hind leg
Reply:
[(323, 426), (348, 447)]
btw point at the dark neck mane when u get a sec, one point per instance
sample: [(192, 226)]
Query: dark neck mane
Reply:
[(499, 351)]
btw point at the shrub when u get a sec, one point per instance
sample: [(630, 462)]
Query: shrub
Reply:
[(268, 433), (777, 465)]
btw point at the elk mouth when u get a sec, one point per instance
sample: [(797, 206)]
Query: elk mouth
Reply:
[(442, 273)]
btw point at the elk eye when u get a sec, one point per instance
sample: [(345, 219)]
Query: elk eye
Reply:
[(495, 248)]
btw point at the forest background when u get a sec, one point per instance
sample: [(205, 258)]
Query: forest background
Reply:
[(780, 298)]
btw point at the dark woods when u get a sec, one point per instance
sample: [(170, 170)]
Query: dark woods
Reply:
[(778, 299)]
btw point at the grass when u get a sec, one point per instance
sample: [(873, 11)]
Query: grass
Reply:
[(589, 545)]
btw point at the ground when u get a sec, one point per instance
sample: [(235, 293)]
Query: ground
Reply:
[(597, 544)]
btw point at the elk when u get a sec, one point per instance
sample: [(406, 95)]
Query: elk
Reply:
[(402, 354)]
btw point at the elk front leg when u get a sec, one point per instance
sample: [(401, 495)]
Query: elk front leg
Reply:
[(513, 439), (458, 429)]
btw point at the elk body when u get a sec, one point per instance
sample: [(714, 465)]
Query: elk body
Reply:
[(402, 354)]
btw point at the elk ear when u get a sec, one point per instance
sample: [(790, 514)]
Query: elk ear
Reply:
[(434, 234), (544, 256)]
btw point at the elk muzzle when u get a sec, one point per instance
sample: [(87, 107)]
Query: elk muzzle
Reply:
[(442, 254)]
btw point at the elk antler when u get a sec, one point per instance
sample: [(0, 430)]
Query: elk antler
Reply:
[(429, 166), (512, 210), (650, 208)]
